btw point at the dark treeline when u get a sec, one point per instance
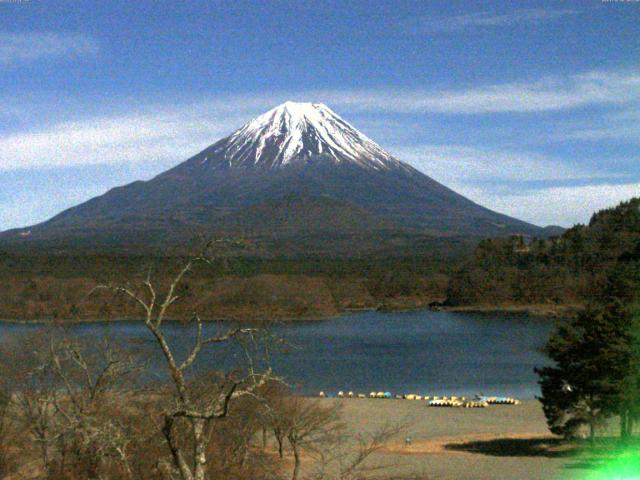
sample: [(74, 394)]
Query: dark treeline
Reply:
[(565, 270), (235, 286), (596, 356), (66, 265), (559, 273)]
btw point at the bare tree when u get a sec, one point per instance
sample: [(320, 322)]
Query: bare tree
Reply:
[(7, 463), (92, 382), (305, 424), (64, 395), (310, 427), (62, 392), (191, 405), (32, 392), (313, 429), (347, 457)]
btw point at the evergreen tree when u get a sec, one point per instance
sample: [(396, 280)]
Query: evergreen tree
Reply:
[(623, 291), (597, 358), (579, 389)]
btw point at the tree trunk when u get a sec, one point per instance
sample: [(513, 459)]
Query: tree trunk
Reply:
[(125, 463), (296, 464), (246, 452), (45, 457), (630, 426), (624, 423), (200, 445), (176, 453), (264, 438), (592, 430), (279, 439)]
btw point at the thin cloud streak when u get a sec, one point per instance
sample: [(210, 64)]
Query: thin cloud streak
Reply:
[(176, 131), (116, 140), (550, 94), (564, 206), (25, 47), (177, 134), (484, 20), (451, 164), (622, 125), (152, 133)]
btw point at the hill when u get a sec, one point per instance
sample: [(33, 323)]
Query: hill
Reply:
[(562, 270), (295, 177)]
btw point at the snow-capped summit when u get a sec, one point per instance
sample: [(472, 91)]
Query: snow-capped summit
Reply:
[(299, 179), (296, 132)]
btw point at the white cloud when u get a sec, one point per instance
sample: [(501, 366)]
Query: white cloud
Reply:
[(152, 132), (134, 138), (484, 20), (548, 94), (180, 130), (27, 208), (563, 206), (21, 47), (451, 164), (177, 131), (621, 125), (502, 181), (498, 180)]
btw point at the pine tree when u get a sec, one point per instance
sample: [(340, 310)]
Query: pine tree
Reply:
[(579, 389), (597, 358), (623, 294)]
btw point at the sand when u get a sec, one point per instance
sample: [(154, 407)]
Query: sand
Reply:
[(497, 442)]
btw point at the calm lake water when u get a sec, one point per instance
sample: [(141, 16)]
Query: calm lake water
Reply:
[(424, 352)]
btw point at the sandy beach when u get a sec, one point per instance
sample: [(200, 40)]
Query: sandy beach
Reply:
[(497, 442)]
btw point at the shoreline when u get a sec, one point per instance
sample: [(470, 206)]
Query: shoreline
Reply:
[(506, 442), (533, 310)]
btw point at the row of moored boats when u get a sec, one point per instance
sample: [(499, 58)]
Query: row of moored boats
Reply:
[(479, 401)]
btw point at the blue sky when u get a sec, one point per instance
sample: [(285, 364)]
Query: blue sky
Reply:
[(531, 108)]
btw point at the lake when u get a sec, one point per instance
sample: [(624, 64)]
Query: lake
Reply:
[(424, 352)]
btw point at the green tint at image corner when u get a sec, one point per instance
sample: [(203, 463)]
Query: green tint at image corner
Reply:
[(623, 465)]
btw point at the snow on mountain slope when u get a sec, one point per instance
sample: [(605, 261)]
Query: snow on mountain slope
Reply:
[(334, 180), (298, 133)]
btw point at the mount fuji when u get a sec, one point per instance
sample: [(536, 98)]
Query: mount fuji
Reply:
[(296, 175)]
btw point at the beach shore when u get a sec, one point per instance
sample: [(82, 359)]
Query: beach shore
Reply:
[(497, 442)]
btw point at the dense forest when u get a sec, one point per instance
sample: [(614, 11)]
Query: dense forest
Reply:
[(566, 270), (236, 287), (595, 373), (557, 275)]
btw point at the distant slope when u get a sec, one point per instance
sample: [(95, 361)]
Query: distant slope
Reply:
[(296, 171), (563, 270), (298, 213)]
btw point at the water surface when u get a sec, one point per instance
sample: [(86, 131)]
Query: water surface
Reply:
[(424, 352)]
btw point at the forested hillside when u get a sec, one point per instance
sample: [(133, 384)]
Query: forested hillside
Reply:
[(564, 270), (59, 287), (549, 276)]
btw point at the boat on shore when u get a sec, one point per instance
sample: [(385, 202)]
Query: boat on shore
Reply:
[(479, 401)]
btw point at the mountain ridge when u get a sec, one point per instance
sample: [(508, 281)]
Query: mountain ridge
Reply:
[(296, 132), (295, 150)]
